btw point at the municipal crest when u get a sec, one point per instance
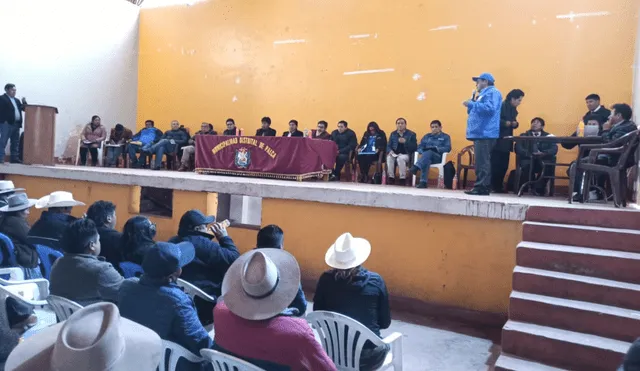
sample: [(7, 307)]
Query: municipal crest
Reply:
[(243, 158)]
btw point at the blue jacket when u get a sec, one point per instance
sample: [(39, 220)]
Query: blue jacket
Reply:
[(148, 136), (440, 143), (166, 309), (484, 115), (212, 260), (410, 146)]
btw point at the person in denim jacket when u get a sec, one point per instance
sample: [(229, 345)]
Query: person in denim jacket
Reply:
[(431, 148)]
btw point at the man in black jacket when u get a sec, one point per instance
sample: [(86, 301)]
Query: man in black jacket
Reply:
[(10, 122), (595, 108), (503, 148), (293, 130), (265, 130), (170, 142), (103, 213), (347, 142), (535, 154), (231, 128)]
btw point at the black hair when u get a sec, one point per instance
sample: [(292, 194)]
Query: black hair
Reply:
[(592, 96), (99, 211), (514, 94), (230, 120), (270, 236), (150, 121), (401, 118), (624, 110), (119, 127), (295, 122), (593, 117), (94, 117), (211, 127), (60, 210), (78, 236), (374, 125), (137, 231), (435, 122), (323, 123), (346, 125), (266, 119), (539, 119), (9, 86)]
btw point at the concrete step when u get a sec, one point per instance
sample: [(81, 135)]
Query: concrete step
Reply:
[(573, 315), (585, 236), (507, 362), (561, 348), (576, 287), (608, 264), (618, 218)]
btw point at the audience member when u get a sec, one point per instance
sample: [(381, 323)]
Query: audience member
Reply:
[(483, 128), (57, 217), (141, 143), (9, 339), (265, 130), (137, 238), (250, 323), (81, 275), (10, 122), (372, 144), (190, 151), (595, 108), (91, 138), (103, 213), (7, 188), (272, 237), (503, 148), (93, 338), (353, 291), (631, 360), (535, 154), (231, 128), (170, 142), (402, 144), (119, 137), (431, 148), (158, 303), (321, 131), (293, 130), (347, 142)]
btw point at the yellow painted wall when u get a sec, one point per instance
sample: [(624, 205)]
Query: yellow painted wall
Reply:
[(195, 59)]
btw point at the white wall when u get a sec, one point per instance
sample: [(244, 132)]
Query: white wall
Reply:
[(78, 55)]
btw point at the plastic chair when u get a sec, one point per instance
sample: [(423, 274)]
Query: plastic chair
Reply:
[(464, 168), (32, 293), (45, 241), (172, 354), (100, 152), (225, 362), (194, 291), (130, 269), (439, 166), (63, 307), (48, 256), (7, 250), (343, 339), (11, 274)]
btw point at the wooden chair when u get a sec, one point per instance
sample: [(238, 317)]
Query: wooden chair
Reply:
[(343, 339), (63, 307), (171, 355), (464, 168), (225, 362)]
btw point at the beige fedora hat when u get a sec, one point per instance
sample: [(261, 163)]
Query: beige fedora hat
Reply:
[(95, 338), (7, 186), (347, 252), (261, 283), (58, 199)]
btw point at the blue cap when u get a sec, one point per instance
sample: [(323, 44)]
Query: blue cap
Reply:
[(484, 76), (166, 258)]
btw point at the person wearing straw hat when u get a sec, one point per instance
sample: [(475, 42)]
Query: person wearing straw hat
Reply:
[(352, 290), (93, 338), (55, 220), (157, 302), (7, 189), (249, 321)]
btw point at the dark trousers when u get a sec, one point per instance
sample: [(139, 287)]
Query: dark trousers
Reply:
[(340, 161), (372, 357), (10, 132), (17, 311), (365, 162), (132, 149), (600, 179), (525, 169), (83, 155), (499, 167), (482, 149)]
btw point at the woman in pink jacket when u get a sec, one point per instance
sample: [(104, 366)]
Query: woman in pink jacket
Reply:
[(92, 135)]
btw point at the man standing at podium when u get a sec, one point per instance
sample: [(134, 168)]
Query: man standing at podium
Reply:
[(10, 122)]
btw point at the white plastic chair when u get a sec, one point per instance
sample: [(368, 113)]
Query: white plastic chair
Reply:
[(346, 355), (100, 152), (194, 291), (63, 307), (225, 362), (33, 293), (15, 274), (439, 166), (170, 359)]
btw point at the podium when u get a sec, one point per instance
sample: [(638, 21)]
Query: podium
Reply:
[(39, 134)]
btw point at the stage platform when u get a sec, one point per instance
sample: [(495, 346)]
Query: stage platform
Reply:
[(499, 206)]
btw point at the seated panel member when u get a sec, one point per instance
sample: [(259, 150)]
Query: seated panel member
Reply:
[(190, 150), (171, 142), (142, 142), (402, 143), (119, 136), (536, 153), (373, 142), (231, 128), (293, 130), (347, 142), (321, 131), (431, 148), (265, 130)]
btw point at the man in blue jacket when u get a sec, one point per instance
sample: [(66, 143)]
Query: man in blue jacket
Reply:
[(431, 148), (142, 142), (483, 128)]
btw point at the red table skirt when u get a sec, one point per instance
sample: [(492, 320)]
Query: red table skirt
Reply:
[(267, 157)]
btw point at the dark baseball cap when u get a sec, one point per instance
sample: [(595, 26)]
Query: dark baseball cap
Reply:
[(166, 258), (193, 218)]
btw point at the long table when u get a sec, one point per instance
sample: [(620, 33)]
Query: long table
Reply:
[(265, 157)]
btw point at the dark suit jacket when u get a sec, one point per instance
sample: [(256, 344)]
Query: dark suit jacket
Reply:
[(296, 133), (7, 112), (266, 133)]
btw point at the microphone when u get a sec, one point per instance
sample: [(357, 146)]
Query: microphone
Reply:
[(473, 94)]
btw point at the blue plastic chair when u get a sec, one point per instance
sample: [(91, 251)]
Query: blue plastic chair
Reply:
[(49, 242), (8, 257), (47, 257), (130, 269)]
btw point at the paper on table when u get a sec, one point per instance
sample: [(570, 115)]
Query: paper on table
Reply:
[(113, 145)]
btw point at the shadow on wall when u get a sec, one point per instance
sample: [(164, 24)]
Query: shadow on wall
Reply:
[(70, 142)]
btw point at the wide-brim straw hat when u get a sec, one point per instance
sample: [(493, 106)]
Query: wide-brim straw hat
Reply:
[(7, 186), (18, 202), (347, 252), (58, 199)]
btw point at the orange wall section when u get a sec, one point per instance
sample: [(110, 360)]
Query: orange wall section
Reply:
[(218, 59)]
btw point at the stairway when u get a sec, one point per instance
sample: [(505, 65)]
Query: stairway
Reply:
[(575, 303)]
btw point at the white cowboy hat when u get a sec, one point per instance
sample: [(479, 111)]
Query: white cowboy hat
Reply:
[(17, 202), (7, 186), (261, 283), (58, 199), (347, 252), (93, 338)]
